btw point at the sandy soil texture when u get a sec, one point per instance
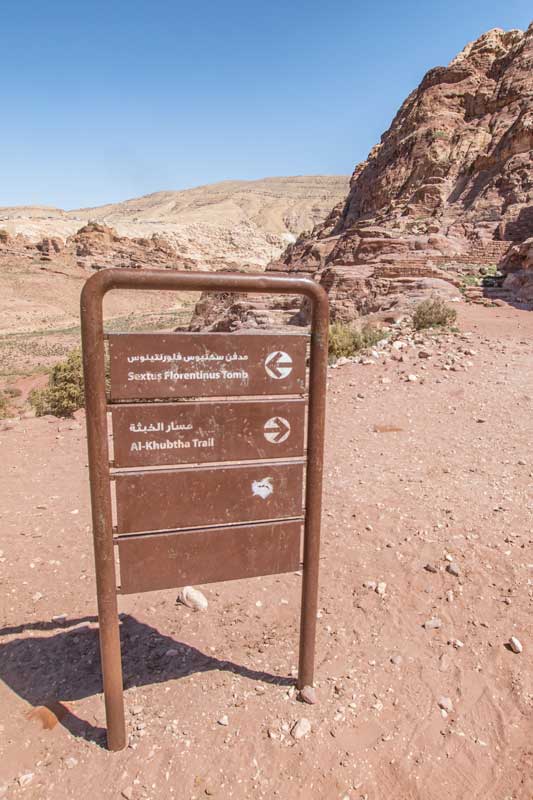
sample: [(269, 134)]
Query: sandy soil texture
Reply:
[(428, 490)]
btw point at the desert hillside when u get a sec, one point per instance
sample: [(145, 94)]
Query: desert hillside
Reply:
[(46, 254), (244, 222)]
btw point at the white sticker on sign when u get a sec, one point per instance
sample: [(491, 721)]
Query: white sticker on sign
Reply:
[(278, 364), (277, 430), (262, 488)]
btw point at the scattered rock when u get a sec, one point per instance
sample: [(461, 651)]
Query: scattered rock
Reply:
[(430, 568), (381, 588), (446, 704), (434, 622), (192, 598), (301, 728), (71, 762), (515, 644), (127, 792), (25, 779), (224, 721), (457, 643), (453, 569), (396, 660)]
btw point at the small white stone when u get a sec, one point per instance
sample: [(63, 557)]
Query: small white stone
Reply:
[(515, 644), (192, 598), (223, 720), (434, 622), (71, 762), (445, 704), (457, 643), (381, 588), (37, 596), (301, 728), (25, 778), (412, 378)]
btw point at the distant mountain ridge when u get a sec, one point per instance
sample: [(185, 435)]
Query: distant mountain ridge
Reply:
[(243, 222)]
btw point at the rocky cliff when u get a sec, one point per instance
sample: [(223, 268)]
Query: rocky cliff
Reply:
[(448, 188), (445, 193)]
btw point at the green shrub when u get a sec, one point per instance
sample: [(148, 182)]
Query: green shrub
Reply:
[(471, 280), (64, 394), (433, 313), (347, 340)]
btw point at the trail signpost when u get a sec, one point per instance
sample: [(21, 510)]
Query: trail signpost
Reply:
[(211, 488)]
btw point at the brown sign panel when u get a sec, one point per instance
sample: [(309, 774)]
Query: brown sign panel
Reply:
[(167, 560), (159, 366), (189, 498), (153, 434)]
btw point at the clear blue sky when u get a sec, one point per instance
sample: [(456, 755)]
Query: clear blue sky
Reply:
[(102, 101)]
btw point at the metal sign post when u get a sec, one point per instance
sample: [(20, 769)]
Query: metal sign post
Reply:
[(243, 449)]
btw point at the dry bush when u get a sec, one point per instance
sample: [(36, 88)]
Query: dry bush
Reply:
[(4, 406), (347, 340), (433, 313)]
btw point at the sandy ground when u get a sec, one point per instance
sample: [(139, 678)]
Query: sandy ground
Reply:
[(416, 471)]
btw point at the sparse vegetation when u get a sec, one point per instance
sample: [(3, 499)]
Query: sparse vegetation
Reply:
[(4, 406), (64, 394), (347, 340), (12, 391), (470, 280), (440, 135), (433, 313)]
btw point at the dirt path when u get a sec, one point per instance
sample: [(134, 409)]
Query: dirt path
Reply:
[(453, 479)]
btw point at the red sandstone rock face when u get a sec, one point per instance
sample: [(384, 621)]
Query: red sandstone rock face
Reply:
[(519, 268), (99, 246), (457, 158), (450, 186), (94, 246)]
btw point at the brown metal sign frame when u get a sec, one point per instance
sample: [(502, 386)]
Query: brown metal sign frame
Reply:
[(92, 331)]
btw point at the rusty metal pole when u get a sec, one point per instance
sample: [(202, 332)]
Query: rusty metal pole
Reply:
[(92, 334), (96, 409), (313, 492)]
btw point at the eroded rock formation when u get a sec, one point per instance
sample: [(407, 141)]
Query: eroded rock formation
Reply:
[(447, 190)]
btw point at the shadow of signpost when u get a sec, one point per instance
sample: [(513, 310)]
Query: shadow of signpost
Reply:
[(49, 671)]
